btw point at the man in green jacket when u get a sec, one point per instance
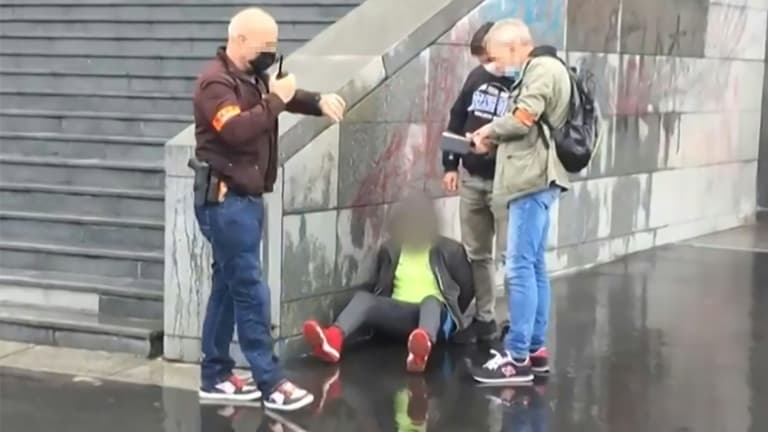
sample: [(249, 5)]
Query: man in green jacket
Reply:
[(528, 180)]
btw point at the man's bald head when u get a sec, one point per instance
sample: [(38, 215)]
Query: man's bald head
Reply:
[(251, 32), (509, 43)]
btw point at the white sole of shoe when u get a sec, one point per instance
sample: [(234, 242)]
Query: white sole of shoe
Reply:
[(544, 370), (291, 407), (250, 397), (506, 381), (232, 403)]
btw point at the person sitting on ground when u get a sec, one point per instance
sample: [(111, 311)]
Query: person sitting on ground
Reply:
[(420, 286)]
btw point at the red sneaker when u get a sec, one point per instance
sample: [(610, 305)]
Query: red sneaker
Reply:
[(419, 347), (325, 343)]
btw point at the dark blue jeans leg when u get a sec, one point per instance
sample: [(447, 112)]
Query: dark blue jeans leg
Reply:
[(236, 228), (219, 322)]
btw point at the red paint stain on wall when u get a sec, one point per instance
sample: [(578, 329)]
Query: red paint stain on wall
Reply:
[(410, 159)]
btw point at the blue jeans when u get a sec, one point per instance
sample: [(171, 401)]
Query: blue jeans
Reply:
[(239, 294), (526, 279)]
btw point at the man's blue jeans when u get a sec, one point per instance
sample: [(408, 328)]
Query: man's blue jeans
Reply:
[(526, 279), (238, 292)]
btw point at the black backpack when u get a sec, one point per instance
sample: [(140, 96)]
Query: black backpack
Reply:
[(575, 141)]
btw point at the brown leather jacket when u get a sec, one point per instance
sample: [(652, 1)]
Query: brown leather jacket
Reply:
[(236, 124)]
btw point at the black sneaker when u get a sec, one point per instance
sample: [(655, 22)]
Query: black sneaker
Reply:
[(288, 397), (485, 330), (501, 369), (504, 330), (232, 389), (465, 336)]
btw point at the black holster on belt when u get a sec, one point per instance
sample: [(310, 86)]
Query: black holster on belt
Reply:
[(207, 185)]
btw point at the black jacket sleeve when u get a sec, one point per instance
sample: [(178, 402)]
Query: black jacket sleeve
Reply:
[(456, 122), (461, 272), (305, 102)]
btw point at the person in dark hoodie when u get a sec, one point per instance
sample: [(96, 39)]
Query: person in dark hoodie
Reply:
[(419, 287), (483, 97)]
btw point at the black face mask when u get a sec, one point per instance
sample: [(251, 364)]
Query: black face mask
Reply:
[(262, 62)]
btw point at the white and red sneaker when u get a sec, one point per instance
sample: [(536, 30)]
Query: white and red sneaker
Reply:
[(419, 348), (231, 389), (288, 397)]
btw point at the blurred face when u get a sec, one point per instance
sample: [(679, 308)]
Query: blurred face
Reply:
[(507, 55), (508, 58), (257, 48), (415, 227)]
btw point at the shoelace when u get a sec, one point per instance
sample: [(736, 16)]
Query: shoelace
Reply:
[(496, 361), (237, 382)]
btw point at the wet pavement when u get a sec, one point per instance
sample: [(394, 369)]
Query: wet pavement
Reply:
[(673, 339)]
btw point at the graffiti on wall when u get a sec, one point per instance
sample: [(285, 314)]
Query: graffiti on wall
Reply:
[(409, 162), (659, 78), (676, 85), (593, 25), (546, 19), (664, 27)]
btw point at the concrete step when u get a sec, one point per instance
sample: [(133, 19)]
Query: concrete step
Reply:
[(73, 146), (49, 326), (82, 172), (90, 122), (211, 27), (90, 261), (97, 100), (49, 79), (96, 202), (79, 231), (129, 65), (167, 12), (116, 297), (107, 45)]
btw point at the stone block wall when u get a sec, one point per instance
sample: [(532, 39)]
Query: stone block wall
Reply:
[(762, 174), (679, 83)]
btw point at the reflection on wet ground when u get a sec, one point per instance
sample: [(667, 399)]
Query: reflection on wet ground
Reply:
[(667, 340)]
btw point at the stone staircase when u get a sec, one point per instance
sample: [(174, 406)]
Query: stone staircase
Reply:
[(89, 92)]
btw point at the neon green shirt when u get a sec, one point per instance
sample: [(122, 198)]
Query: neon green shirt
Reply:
[(414, 279)]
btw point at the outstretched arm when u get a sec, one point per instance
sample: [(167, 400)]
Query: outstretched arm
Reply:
[(306, 102)]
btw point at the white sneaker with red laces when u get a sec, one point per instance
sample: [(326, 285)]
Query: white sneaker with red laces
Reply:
[(288, 397)]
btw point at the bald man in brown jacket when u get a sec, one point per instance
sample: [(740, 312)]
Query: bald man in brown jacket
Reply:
[(236, 108)]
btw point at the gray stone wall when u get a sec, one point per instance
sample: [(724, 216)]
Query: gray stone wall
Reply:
[(679, 82), (762, 175)]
